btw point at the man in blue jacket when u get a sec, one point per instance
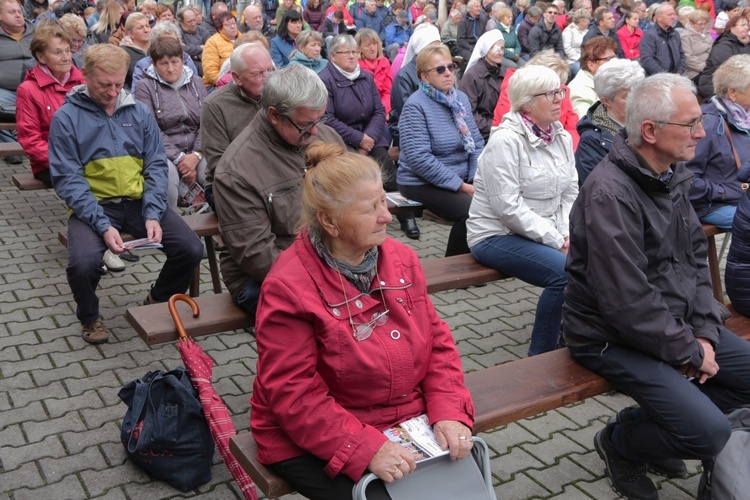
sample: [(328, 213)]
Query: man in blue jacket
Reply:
[(661, 47), (108, 165), (397, 34)]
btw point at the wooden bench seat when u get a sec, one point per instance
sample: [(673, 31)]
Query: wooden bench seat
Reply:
[(220, 314), (27, 182), (502, 394), (713, 261), (10, 149), (7, 126), (206, 226)]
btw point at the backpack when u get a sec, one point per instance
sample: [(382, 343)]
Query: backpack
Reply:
[(727, 475)]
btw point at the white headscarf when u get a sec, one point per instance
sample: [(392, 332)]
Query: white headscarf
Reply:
[(423, 35), (484, 44)]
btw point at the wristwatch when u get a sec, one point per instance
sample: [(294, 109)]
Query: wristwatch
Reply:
[(200, 156)]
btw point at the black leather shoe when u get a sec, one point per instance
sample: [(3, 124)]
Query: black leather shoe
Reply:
[(14, 160), (409, 226)]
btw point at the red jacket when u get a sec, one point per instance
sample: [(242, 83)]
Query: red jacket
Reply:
[(320, 391), (568, 117), (630, 42), (38, 98), (381, 71)]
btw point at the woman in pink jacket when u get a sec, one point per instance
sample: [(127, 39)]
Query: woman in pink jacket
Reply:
[(349, 343), (42, 92), (630, 36)]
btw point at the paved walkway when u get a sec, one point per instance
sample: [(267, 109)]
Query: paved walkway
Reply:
[(60, 414)]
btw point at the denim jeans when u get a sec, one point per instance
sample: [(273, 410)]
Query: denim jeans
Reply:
[(7, 97), (721, 217), (86, 248), (538, 265), (679, 418), (247, 299)]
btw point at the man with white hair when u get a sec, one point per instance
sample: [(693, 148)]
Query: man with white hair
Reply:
[(470, 28), (661, 45), (371, 18), (227, 112), (638, 309), (254, 21)]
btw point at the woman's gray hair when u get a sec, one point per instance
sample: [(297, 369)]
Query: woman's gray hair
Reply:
[(616, 75), (529, 81), (291, 88), (164, 27), (308, 36), (651, 99), (341, 41), (733, 73)]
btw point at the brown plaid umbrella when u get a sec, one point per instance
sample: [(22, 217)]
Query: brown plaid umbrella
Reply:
[(199, 366)]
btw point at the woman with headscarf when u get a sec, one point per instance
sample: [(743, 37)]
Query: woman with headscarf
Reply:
[(440, 144), (483, 77)]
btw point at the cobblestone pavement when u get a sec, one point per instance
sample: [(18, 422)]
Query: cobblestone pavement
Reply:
[(60, 414)]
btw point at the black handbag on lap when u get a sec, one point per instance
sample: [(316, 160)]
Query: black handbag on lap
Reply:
[(7, 113), (164, 430)]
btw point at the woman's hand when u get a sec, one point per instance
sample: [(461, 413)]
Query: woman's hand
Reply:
[(367, 143), (566, 246), (455, 436), (188, 168), (467, 189), (391, 462)]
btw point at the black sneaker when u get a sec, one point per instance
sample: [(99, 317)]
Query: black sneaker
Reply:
[(628, 478), (673, 468)]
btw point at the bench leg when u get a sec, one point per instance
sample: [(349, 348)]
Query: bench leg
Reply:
[(195, 285), (212, 264), (713, 266)]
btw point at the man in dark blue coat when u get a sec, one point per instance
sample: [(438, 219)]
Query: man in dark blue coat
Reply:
[(661, 47)]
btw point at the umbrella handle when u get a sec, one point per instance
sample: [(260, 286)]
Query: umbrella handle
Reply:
[(176, 315)]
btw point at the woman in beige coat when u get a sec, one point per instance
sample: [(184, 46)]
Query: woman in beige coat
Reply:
[(696, 42)]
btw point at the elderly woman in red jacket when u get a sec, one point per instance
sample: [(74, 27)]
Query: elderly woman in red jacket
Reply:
[(43, 92), (349, 343)]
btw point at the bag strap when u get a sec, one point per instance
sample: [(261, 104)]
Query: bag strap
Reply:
[(728, 131), (142, 394)]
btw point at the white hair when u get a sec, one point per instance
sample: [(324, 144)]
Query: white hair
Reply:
[(529, 81), (616, 75), (652, 99)]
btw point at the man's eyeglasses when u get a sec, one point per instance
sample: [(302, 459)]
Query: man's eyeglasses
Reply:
[(348, 52), (693, 124), (553, 13), (307, 128), (442, 69), (605, 59), (552, 95)]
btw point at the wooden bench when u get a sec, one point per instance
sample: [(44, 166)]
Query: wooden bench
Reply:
[(7, 126), (219, 313), (502, 394), (205, 226), (10, 149), (713, 260), (27, 182)]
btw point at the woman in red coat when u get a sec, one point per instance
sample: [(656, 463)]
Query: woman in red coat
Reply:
[(371, 59), (42, 92), (630, 36), (349, 343)]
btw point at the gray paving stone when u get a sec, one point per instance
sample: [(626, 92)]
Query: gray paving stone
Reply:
[(510, 436), (40, 324), (128, 477), (97, 417), (15, 457), (79, 439), (510, 464), (87, 460), (95, 367), (521, 487), (22, 339), (33, 411), (550, 450), (12, 436), (58, 407), (27, 475), (44, 377), (19, 381), (70, 422), (555, 478), (77, 386)]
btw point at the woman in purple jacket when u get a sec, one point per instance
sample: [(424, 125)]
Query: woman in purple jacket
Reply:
[(356, 112), (175, 95)]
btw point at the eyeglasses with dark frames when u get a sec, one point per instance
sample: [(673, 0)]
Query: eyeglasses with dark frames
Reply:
[(442, 69), (553, 94), (307, 128), (693, 124)]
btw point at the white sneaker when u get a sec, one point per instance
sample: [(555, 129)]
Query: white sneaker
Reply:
[(113, 262)]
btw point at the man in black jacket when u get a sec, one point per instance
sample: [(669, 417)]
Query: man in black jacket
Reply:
[(605, 26), (471, 28), (546, 33), (638, 306), (193, 35)]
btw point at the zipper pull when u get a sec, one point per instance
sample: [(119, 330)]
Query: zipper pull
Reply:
[(270, 198), (401, 301)]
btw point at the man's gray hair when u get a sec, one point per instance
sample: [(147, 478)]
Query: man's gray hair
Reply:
[(651, 99), (533, 11), (342, 41), (616, 75), (292, 88), (162, 28), (237, 59), (660, 7), (181, 13)]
